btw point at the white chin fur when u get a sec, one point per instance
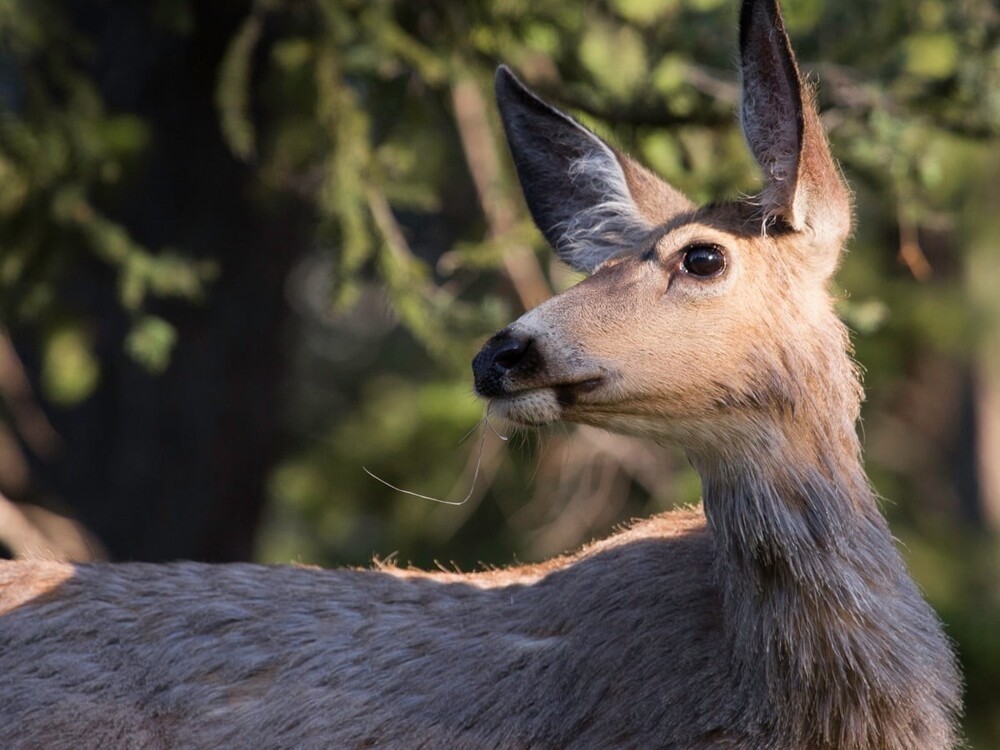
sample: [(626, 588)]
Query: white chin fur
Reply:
[(529, 408)]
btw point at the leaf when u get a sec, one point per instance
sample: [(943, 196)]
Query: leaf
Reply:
[(932, 56), (643, 11), (291, 54), (802, 15), (866, 316), (232, 91), (70, 371), (616, 58), (670, 74), (150, 342)]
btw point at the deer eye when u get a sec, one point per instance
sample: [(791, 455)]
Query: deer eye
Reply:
[(704, 260)]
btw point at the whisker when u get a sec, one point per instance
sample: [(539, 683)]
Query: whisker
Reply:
[(475, 474), (492, 429), (475, 427)]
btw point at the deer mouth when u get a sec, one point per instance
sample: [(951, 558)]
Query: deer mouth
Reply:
[(541, 405), (570, 393), (528, 384)]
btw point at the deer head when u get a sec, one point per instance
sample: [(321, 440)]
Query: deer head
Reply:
[(704, 326)]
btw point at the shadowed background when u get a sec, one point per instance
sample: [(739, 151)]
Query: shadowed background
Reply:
[(247, 248)]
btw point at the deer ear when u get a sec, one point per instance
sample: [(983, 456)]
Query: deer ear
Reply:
[(803, 183), (589, 201)]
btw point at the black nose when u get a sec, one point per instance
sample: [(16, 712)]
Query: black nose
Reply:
[(505, 353)]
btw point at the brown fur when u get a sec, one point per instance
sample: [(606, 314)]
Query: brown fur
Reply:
[(778, 617)]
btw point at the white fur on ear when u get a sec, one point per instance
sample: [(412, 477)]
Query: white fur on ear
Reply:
[(607, 228), (575, 184)]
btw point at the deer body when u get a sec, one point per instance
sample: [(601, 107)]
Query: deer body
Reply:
[(632, 643), (246, 656), (777, 616)]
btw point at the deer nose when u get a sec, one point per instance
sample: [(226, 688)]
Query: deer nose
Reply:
[(505, 353)]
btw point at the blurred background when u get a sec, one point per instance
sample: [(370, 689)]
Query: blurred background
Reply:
[(247, 248)]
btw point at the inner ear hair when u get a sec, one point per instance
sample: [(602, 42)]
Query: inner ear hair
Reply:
[(803, 184), (591, 202)]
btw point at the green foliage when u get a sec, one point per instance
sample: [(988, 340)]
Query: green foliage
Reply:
[(69, 371), (614, 57), (150, 341), (357, 94), (59, 148)]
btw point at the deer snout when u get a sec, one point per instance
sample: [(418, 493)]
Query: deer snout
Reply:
[(507, 353)]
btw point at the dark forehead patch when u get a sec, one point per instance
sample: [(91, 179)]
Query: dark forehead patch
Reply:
[(738, 218), (730, 217), (742, 218)]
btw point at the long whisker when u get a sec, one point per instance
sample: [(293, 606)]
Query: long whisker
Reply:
[(475, 427), (486, 418), (475, 474)]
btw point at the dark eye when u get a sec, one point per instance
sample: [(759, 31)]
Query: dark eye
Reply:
[(704, 260)]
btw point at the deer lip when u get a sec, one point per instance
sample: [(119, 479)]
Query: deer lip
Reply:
[(566, 393), (569, 393), (538, 404)]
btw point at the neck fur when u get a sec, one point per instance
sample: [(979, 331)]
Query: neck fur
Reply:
[(818, 605)]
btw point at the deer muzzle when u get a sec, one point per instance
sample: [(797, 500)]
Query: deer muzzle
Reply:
[(506, 358), (527, 385)]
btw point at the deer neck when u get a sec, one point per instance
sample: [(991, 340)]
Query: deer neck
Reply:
[(800, 531), (816, 599), (797, 514)]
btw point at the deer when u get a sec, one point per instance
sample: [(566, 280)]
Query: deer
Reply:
[(777, 614)]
